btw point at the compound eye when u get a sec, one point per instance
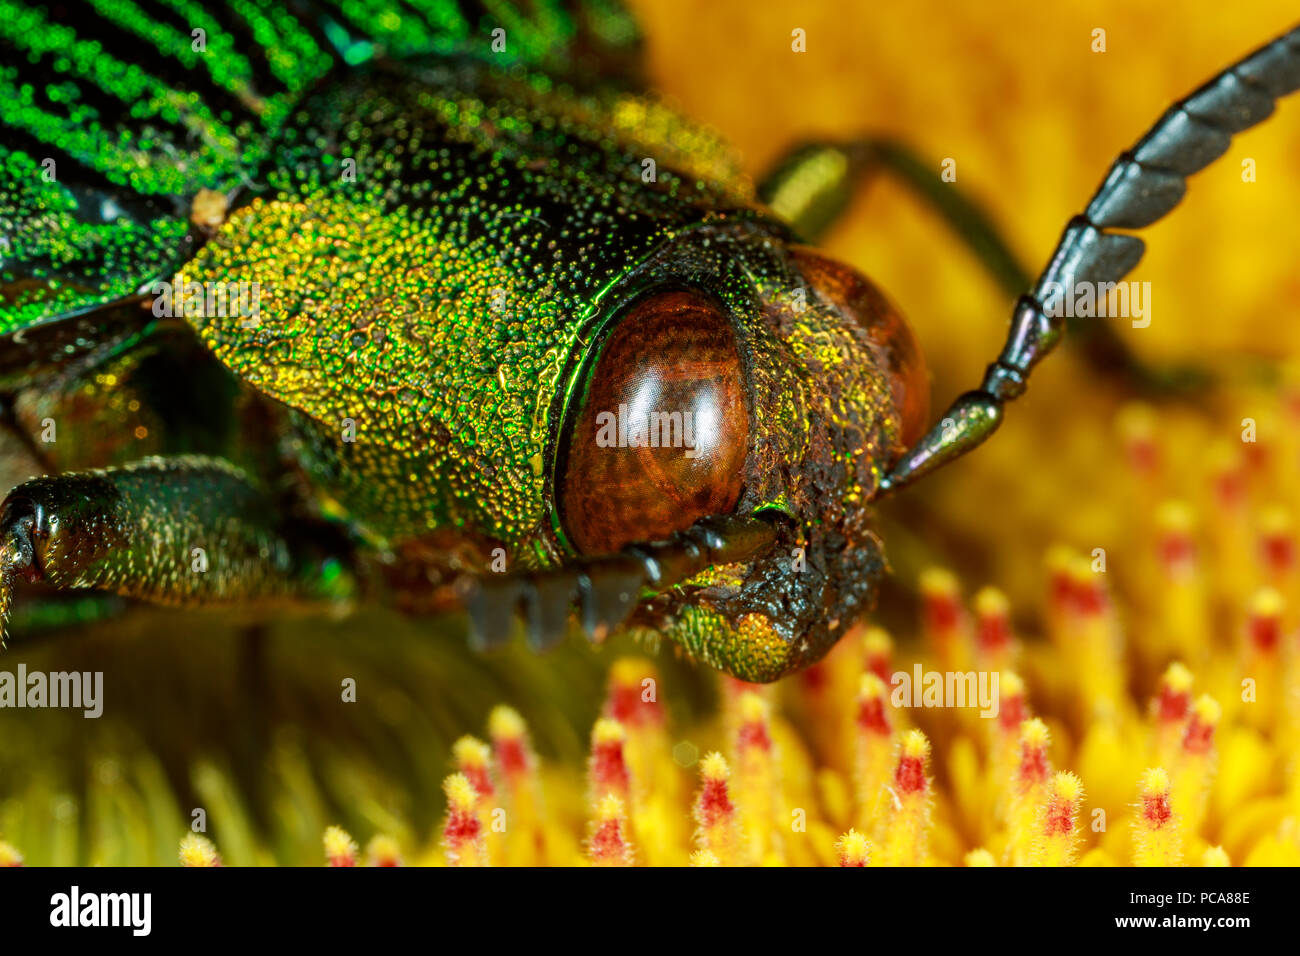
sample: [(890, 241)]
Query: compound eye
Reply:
[(662, 429), (867, 309)]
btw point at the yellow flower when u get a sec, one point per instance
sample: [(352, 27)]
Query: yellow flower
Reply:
[(1153, 659)]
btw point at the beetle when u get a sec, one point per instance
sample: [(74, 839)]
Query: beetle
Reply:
[(443, 310)]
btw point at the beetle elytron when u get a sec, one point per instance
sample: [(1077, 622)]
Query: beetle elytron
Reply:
[(469, 243)]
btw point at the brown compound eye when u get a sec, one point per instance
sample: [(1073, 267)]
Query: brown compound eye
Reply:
[(661, 435)]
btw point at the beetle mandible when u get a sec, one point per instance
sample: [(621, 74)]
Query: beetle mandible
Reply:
[(434, 310)]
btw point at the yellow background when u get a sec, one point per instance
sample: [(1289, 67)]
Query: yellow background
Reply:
[(1033, 117)]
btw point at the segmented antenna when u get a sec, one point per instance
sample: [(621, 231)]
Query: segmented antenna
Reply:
[(604, 590), (1143, 185)]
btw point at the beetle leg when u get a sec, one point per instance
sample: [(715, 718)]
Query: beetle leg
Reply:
[(188, 530), (62, 348), (812, 187), (1142, 186)]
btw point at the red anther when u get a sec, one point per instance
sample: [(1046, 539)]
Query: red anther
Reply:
[(1177, 550), (1229, 487), (511, 756), (1174, 696), (1143, 455), (942, 613), (1033, 765), (607, 842), (1171, 704), (462, 826), (1156, 809), (1199, 736), (815, 678), (752, 735), (1257, 455), (714, 804), (1089, 597), (909, 776), (1279, 551), (1058, 817), (872, 717), (609, 772), (627, 701), (1011, 712), (879, 665), (1265, 632)]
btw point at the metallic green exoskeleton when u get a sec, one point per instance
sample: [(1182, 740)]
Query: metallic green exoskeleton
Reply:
[(310, 303)]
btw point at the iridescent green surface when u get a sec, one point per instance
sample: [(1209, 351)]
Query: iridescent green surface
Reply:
[(437, 297), (439, 228), (138, 110)]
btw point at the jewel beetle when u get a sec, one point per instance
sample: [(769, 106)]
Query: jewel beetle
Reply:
[(435, 305)]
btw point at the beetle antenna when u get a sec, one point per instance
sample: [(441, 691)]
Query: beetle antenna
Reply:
[(604, 589), (1143, 185)]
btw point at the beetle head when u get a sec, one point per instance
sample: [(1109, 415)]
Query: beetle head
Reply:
[(769, 381)]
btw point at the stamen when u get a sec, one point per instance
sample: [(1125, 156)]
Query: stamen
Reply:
[(1055, 840), (608, 844), (340, 848), (383, 851), (198, 851), (715, 814), (853, 849), (906, 828), (1157, 831), (462, 833)]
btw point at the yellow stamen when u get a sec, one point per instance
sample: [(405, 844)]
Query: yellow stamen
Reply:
[(1157, 831), (1055, 837), (608, 844), (462, 833), (905, 830), (383, 851), (198, 851), (718, 823), (853, 848), (340, 848)]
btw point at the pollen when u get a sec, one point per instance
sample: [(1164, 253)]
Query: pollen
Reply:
[(473, 758), (1265, 623), (609, 771), (878, 651), (1175, 694), (608, 845), (198, 851), (910, 773), (872, 699), (993, 624), (340, 848), (718, 822), (462, 833), (854, 849), (383, 850), (1199, 736), (1157, 830)]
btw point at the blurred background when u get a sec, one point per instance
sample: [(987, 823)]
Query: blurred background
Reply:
[(247, 722), (1013, 92)]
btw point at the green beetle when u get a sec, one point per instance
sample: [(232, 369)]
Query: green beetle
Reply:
[(301, 308)]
